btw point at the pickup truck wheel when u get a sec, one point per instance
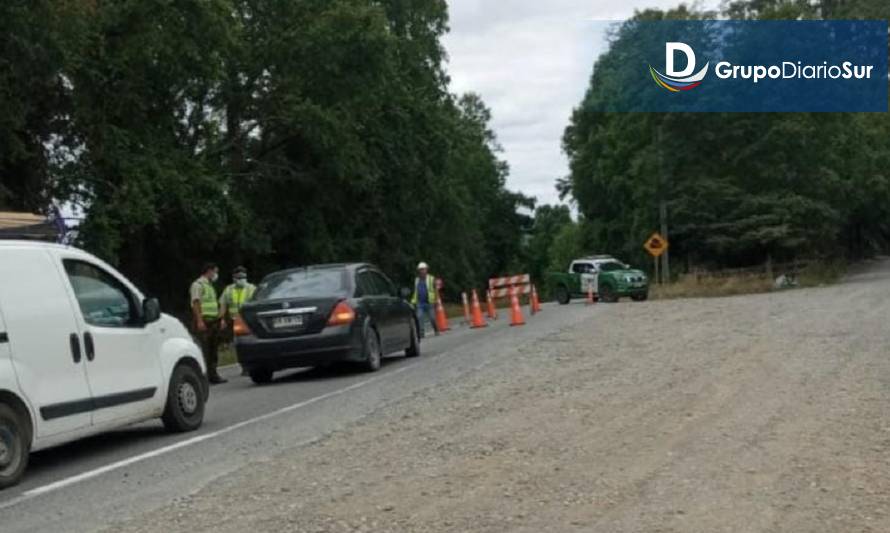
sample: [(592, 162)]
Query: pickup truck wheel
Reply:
[(185, 401), (15, 446), (562, 295), (261, 376), (607, 295), (413, 349), (640, 297)]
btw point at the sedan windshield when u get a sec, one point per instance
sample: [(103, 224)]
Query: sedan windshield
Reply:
[(303, 283)]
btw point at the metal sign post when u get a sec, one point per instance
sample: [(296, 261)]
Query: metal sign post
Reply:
[(657, 246)]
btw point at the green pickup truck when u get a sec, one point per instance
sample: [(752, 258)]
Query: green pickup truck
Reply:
[(611, 280)]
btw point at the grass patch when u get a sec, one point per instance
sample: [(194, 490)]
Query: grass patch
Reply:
[(227, 355), (732, 283), (689, 286), (823, 273)]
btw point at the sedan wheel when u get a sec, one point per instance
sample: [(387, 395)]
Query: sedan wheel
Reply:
[(372, 350), (261, 376), (413, 349)]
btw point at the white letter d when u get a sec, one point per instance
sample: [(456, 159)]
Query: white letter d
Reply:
[(670, 51)]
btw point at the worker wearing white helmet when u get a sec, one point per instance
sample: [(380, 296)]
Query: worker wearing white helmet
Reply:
[(425, 297)]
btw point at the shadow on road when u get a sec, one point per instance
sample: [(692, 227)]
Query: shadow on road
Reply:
[(329, 373), (97, 446)]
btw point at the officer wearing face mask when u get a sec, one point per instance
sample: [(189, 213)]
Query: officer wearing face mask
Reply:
[(206, 318), (235, 295)]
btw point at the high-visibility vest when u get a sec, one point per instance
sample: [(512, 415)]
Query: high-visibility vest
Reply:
[(209, 303), (235, 296), (432, 293)]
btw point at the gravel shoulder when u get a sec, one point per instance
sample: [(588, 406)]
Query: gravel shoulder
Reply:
[(756, 413)]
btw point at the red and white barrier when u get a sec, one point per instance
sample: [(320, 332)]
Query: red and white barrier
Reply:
[(504, 287)]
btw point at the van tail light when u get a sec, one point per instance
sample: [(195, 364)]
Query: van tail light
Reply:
[(342, 315), (239, 327)]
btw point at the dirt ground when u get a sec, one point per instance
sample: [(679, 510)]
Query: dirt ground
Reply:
[(748, 414)]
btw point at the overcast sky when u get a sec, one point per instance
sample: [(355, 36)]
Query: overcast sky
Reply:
[(531, 61)]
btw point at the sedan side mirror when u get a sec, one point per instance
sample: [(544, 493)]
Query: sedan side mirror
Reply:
[(151, 310), (405, 293)]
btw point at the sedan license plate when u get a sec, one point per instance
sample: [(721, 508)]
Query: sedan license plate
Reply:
[(287, 322)]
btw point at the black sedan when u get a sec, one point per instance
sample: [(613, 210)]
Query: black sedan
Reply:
[(319, 315)]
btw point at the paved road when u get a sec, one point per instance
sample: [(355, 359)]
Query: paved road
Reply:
[(86, 485), (754, 414)]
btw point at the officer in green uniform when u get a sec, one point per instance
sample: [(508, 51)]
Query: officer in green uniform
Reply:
[(234, 296), (206, 318)]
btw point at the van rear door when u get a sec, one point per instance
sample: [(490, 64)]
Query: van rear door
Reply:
[(43, 335)]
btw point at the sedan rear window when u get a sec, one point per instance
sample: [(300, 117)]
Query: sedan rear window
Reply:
[(306, 283)]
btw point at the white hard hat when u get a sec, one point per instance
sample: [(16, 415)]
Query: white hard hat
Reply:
[(423, 266)]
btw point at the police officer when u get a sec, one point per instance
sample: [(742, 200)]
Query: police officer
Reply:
[(425, 297), (234, 296), (205, 315)]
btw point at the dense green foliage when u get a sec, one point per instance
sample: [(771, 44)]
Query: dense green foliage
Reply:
[(269, 133), (740, 188), (275, 133)]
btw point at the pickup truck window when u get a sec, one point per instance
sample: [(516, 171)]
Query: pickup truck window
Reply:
[(583, 268), (611, 266)]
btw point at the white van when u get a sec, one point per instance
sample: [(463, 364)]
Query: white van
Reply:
[(82, 351)]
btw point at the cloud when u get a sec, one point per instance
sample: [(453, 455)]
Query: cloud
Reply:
[(531, 61)]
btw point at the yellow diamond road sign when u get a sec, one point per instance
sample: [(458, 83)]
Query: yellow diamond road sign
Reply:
[(656, 245)]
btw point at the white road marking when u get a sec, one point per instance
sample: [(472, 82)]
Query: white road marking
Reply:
[(190, 442)]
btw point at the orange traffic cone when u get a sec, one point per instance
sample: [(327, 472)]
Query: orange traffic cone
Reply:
[(467, 318), (536, 303), (478, 321), (492, 310), (590, 299), (515, 310), (441, 317)]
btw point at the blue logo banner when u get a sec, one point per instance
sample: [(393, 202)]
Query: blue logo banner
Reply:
[(743, 66)]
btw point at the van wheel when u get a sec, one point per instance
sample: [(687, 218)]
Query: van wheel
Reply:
[(371, 350), (413, 349), (185, 401), (261, 376), (15, 446)]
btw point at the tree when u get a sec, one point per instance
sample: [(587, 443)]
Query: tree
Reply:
[(270, 134), (740, 188), (549, 222)]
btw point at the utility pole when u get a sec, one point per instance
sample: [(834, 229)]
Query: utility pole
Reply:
[(666, 257), (662, 208)]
